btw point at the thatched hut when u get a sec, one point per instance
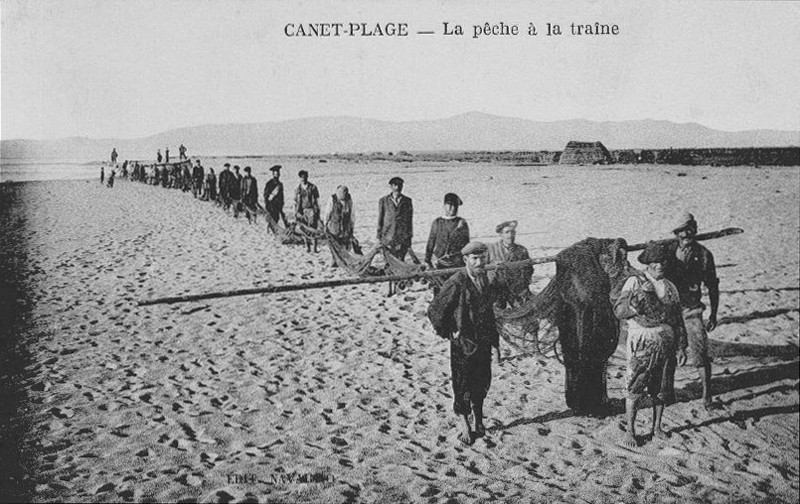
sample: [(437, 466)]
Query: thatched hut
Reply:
[(585, 153)]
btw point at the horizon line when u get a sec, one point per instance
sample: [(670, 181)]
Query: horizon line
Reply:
[(472, 112)]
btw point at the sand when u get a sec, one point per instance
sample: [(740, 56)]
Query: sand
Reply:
[(342, 395)]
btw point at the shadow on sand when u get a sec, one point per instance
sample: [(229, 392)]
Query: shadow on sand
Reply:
[(738, 319), (719, 385), (761, 289), (14, 356)]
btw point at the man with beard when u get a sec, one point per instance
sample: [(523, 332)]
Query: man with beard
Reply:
[(462, 312)]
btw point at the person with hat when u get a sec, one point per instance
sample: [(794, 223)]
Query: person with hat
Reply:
[(513, 283), (273, 196), (249, 191), (449, 234), (690, 266), (306, 205), (226, 180), (396, 220), (462, 312), (650, 305)]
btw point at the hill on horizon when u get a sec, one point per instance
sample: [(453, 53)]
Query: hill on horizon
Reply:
[(473, 131)]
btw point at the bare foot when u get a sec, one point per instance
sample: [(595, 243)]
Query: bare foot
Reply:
[(629, 441), (660, 434), (480, 430), (465, 437)]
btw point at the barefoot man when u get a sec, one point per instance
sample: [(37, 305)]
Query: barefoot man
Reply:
[(651, 306), (462, 312), (692, 265)]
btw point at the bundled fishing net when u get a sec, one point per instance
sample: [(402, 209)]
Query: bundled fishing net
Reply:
[(589, 273)]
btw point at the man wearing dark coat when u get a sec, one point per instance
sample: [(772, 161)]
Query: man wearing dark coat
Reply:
[(249, 194), (462, 312), (273, 196), (395, 220), (198, 176), (235, 190), (226, 180)]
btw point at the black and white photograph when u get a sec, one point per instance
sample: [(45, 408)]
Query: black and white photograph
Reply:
[(413, 252)]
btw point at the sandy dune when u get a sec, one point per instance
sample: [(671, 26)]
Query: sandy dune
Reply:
[(230, 399)]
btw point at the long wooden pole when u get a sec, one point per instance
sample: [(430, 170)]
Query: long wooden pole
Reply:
[(274, 289)]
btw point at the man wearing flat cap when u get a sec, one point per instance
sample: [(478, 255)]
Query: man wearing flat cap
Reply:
[(462, 312), (449, 234), (516, 281), (395, 220), (513, 285), (650, 306), (690, 266)]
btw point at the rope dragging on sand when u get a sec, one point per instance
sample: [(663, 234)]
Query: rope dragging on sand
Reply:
[(417, 275)]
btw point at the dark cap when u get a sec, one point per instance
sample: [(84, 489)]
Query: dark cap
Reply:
[(227, 164), (654, 252), (452, 199), (474, 247), (247, 169), (236, 167), (302, 173), (396, 181), (276, 168)]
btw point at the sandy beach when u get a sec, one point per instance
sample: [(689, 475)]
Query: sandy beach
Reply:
[(343, 395)]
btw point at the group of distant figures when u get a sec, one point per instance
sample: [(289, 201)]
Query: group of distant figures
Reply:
[(660, 308)]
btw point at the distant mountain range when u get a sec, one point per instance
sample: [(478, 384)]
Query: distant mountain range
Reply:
[(473, 131)]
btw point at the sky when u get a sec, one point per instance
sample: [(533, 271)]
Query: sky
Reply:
[(129, 69)]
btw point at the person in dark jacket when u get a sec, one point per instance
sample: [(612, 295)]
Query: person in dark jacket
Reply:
[(226, 180), (273, 196), (462, 312), (198, 176), (249, 194), (395, 220), (449, 234), (235, 191)]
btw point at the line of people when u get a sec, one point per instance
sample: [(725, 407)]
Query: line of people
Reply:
[(660, 307)]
